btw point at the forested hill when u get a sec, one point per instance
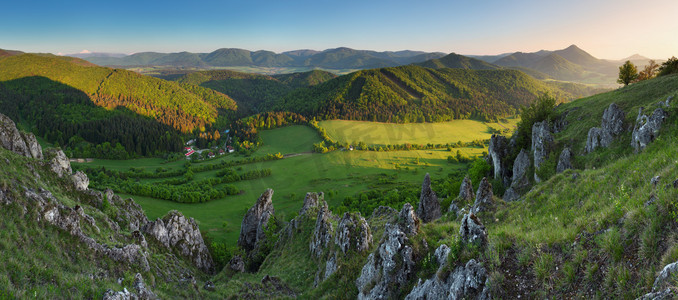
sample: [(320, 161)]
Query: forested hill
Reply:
[(181, 107), (418, 94), (457, 61), (255, 93)]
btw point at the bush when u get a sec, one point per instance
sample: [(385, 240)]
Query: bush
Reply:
[(540, 110), (669, 67)]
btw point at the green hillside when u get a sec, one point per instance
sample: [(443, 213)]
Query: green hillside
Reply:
[(457, 61)]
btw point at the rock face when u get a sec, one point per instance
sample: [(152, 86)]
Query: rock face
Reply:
[(181, 233), (484, 197), (465, 282), (389, 268), (253, 227), (311, 201), (466, 190), (519, 181), (18, 142), (323, 232), (661, 289), (472, 231), (542, 141), (408, 221), (564, 160), (497, 151), (611, 126), (58, 162), (353, 232), (429, 206), (80, 181), (647, 128)]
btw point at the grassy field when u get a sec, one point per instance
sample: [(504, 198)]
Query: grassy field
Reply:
[(339, 174), (414, 133)]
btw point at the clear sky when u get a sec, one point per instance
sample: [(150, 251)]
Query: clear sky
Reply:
[(610, 29)]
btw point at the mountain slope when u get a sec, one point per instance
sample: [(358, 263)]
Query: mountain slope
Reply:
[(457, 61)]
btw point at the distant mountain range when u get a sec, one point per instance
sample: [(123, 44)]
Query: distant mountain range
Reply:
[(339, 58)]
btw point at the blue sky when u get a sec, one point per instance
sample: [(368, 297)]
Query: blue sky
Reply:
[(605, 28)]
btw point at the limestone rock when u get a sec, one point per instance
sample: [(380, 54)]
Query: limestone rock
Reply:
[(429, 206), (237, 264), (665, 277), (32, 144), (647, 128), (484, 197), (472, 231), (655, 180), (519, 181), (353, 232), (542, 141), (564, 160), (322, 233), (253, 227), (666, 294), (80, 181), (408, 220), (141, 291), (465, 282), (498, 151), (611, 126), (174, 231), (389, 268), (21, 143), (58, 162), (312, 201), (466, 190), (330, 267)]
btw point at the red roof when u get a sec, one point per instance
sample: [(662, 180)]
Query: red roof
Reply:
[(189, 153)]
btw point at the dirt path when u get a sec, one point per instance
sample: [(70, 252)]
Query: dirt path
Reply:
[(297, 154)]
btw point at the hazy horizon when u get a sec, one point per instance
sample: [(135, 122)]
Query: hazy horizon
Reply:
[(606, 29)]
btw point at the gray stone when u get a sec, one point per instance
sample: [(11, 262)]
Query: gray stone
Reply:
[(34, 148), (498, 151), (665, 278), (311, 202), (253, 228), (323, 232), (466, 190), (80, 181), (564, 160), (353, 232), (174, 231), (330, 267), (13, 140), (519, 181), (429, 206), (655, 180), (666, 294), (408, 220), (647, 128), (441, 254), (453, 208), (237, 264), (389, 268), (542, 141), (611, 126), (484, 197), (472, 231), (209, 286), (141, 292), (58, 162), (465, 282)]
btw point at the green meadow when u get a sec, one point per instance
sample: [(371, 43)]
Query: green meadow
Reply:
[(414, 133)]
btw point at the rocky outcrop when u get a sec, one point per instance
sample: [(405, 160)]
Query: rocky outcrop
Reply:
[(141, 291), (353, 232), (519, 181), (472, 231), (466, 190), (178, 232), (611, 126), (408, 220), (80, 181), (429, 206), (647, 128), (237, 264), (564, 160), (58, 162), (389, 268), (498, 151), (18, 142), (252, 230), (662, 287), (322, 233), (312, 201), (542, 141), (465, 282), (484, 197)]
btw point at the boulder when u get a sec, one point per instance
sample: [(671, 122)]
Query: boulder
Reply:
[(408, 221), (80, 181), (58, 162), (252, 230), (174, 231), (484, 197), (498, 151), (542, 141), (429, 206), (519, 181), (465, 282), (237, 264), (472, 231), (389, 268), (466, 190), (647, 128), (322, 233), (353, 232), (611, 126), (564, 160)]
